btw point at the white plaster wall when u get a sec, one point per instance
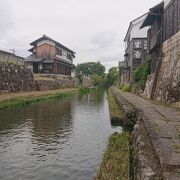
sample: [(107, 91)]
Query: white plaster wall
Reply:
[(166, 2), (73, 72), (45, 42), (137, 32), (64, 55)]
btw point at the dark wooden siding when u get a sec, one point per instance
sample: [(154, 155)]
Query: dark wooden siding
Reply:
[(46, 51), (171, 19), (63, 69)]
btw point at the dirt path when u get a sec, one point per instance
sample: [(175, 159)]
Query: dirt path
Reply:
[(19, 95)]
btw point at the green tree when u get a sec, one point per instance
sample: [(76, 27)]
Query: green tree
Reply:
[(98, 80), (140, 73), (91, 68), (112, 76), (80, 78)]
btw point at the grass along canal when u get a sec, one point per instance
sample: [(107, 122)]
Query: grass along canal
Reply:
[(59, 139)]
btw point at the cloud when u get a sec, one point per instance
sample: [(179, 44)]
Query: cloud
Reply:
[(6, 22), (105, 39), (93, 29)]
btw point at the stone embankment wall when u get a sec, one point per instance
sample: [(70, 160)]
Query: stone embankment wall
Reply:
[(48, 81), (14, 78), (149, 86), (130, 115), (168, 81), (87, 82), (143, 163)]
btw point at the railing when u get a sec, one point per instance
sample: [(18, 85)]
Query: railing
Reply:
[(65, 60)]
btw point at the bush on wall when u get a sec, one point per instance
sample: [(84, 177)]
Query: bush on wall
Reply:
[(140, 74)]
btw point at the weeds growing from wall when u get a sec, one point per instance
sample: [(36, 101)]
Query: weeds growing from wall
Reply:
[(116, 158), (140, 74)]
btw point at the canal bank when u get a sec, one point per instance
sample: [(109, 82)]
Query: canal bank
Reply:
[(154, 142), (19, 99), (115, 162)]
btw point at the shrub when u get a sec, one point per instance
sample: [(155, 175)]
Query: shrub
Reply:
[(126, 88), (97, 80), (140, 74), (83, 90)]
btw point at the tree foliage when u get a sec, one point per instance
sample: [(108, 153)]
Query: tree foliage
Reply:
[(98, 80), (91, 68), (112, 76), (140, 74)]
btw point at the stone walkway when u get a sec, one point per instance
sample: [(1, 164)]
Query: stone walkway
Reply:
[(163, 126)]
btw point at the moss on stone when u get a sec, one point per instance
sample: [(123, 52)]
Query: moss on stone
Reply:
[(116, 113)]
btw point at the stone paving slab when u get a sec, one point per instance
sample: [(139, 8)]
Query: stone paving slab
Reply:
[(163, 126)]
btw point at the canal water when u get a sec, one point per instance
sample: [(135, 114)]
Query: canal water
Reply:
[(61, 139)]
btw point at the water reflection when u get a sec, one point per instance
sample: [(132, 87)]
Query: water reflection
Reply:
[(59, 139)]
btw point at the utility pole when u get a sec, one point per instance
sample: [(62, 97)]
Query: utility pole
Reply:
[(13, 51)]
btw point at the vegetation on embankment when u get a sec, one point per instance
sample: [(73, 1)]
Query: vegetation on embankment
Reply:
[(141, 72), (83, 90), (26, 101), (33, 97), (116, 159), (126, 88), (116, 113)]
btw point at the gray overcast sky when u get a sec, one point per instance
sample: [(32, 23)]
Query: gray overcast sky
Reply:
[(94, 29)]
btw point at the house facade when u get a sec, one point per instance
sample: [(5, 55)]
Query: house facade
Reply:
[(135, 48), (49, 56)]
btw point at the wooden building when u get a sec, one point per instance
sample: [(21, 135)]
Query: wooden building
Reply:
[(49, 56), (164, 21), (171, 18), (154, 34), (136, 47)]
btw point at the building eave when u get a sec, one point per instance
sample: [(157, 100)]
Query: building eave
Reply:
[(131, 24), (44, 37), (153, 14)]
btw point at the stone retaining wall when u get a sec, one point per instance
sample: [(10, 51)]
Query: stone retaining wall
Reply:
[(168, 81), (87, 82), (149, 86), (143, 163), (50, 81), (130, 115), (14, 78)]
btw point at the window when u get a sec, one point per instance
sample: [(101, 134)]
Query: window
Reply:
[(69, 57), (137, 54), (59, 52), (145, 44), (137, 44)]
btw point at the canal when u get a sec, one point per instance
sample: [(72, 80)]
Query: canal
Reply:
[(61, 139)]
